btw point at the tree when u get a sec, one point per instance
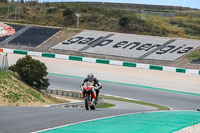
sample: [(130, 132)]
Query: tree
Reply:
[(6, 1), (68, 12), (69, 17), (124, 21), (31, 71)]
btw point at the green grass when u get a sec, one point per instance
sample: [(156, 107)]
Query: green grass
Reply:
[(35, 94), (105, 105), (159, 107), (194, 55)]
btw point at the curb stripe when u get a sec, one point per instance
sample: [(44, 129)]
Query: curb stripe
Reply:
[(143, 66), (87, 59), (20, 52), (117, 63), (180, 70), (156, 67), (60, 56), (50, 55), (102, 61), (34, 53), (76, 58), (129, 64), (9, 51), (1, 50), (169, 69)]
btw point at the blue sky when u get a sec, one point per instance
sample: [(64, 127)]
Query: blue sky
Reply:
[(185, 3)]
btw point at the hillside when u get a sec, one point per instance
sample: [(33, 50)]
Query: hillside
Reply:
[(14, 92), (137, 19)]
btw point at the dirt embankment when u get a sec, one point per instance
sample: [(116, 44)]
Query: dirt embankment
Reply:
[(14, 92)]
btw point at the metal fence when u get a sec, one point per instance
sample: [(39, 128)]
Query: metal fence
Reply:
[(64, 93), (3, 61), (77, 95)]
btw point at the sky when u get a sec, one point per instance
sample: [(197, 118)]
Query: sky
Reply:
[(185, 3)]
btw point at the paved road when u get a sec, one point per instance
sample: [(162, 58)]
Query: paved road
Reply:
[(176, 101), (29, 119)]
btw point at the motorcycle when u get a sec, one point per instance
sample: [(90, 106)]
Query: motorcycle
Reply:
[(88, 88)]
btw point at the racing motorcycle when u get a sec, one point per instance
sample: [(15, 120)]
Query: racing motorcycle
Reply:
[(88, 88)]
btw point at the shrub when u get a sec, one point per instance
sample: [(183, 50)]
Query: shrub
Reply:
[(51, 10), (68, 12), (124, 21), (31, 71)]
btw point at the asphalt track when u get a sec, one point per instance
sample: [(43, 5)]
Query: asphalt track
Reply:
[(176, 101), (29, 119)]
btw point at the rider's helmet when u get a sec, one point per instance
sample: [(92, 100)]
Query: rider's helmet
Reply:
[(90, 77)]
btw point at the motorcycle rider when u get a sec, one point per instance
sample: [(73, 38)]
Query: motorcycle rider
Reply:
[(97, 84)]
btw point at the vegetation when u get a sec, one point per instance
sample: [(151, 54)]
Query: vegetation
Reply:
[(32, 72), (14, 92), (159, 107), (194, 55), (105, 105), (4, 1), (185, 23)]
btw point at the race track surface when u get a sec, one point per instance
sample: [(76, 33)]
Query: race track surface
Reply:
[(176, 101), (29, 119)]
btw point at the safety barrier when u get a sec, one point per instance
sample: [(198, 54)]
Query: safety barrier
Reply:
[(64, 93), (67, 93), (102, 61)]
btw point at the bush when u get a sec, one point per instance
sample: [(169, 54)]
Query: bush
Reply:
[(31, 71), (68, 12), (124, 21), (51, 10)]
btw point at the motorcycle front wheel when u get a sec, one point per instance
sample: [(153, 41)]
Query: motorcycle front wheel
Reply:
[(87, 102)]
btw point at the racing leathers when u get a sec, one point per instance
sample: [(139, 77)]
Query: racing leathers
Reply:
[(97, 86)]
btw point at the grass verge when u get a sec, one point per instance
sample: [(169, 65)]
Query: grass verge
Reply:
[(159, 107), (106, 105)]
